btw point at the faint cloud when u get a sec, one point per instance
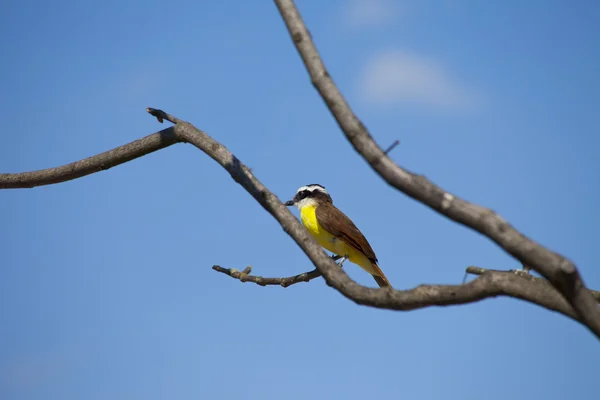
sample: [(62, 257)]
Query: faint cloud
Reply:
[(369, 13), (393, 77)]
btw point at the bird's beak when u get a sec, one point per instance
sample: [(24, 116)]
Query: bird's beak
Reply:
[(289, 203)]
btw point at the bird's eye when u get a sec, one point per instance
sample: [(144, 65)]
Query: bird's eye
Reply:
[(301, 195)]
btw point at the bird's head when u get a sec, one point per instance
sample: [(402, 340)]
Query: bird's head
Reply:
[(309, 195)]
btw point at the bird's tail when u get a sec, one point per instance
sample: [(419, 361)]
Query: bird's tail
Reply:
[(380, 278)]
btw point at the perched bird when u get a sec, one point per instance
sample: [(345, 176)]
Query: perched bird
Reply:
[(334, 231)]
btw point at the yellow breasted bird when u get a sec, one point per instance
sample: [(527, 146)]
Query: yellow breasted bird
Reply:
[(334, 231)]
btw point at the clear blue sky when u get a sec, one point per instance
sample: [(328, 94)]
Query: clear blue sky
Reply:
[(106, 288)]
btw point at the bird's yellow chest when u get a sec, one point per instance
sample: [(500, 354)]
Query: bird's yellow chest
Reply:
[(309, 220), (308, 216)]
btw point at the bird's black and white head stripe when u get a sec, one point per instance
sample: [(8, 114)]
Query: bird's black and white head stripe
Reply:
[(309, 194), (312, 188)]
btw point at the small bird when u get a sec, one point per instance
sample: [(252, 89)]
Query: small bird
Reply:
[(334, 231)]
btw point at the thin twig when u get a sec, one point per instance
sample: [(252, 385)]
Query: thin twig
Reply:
[(161, 115), (392, 146), (244, 276)]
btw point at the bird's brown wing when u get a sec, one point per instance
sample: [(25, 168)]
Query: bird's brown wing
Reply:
[(339, 225)]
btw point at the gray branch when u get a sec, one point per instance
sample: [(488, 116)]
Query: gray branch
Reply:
[(566, 292), (97, 163), (244, 276), (524, 275), (488, 284), (561, 272)]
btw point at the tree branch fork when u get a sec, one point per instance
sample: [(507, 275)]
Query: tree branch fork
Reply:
[(489, 283), (559, 271), (561, 289)]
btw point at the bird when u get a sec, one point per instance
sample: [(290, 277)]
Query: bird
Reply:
[(334, 231)]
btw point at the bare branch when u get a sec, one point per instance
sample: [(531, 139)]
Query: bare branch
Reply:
[(523, 274), (243, 276), (489, 284), (492, 283), (97, 163), (558, 270), (161, 115), (392, 146)]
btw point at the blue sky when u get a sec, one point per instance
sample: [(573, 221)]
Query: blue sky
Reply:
[(107, 290)]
